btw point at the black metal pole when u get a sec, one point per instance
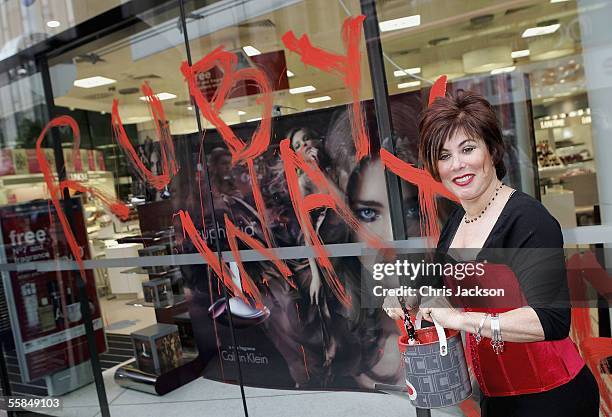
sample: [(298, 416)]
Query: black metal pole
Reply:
[(384, 122), (383, 112), (215, 224), (43, 66)]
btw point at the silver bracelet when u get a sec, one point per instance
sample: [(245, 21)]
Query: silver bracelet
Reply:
[(496, 336), (478, 335)]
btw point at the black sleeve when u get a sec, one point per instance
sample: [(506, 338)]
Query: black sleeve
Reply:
[(539, 264)]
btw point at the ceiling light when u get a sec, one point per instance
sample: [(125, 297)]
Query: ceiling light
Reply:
[(92, 82), (411, 71), (305, 89), (318, 99), (255, 119), (160, 96), (401, 23), (53, 24), (558, 1), (290, 74), (251, 50), (487, 59), (520, 54), (409, 84), (502, 70), (241, 113), (189, 107), (540, 30)]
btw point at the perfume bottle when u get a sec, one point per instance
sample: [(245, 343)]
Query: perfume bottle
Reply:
[(46, 315)]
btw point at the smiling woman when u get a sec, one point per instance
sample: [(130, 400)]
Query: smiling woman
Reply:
[(528, 364)]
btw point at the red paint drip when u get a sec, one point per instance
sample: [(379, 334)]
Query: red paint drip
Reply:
[(305, 364), (347, 67), (428, 189), (228, 63), (165, 138), (330, 199)]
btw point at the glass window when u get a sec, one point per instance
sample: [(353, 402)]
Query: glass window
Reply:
[(528, 62)]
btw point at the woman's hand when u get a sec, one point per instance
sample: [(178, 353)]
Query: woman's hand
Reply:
[(392, 307), (314, 289), (440, 310)]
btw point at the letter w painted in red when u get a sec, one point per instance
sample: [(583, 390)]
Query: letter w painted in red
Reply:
[(346, 66)]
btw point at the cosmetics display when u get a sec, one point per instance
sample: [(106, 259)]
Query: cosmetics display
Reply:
[(155, 250), (158, 292), (157, 348), (546, 156)]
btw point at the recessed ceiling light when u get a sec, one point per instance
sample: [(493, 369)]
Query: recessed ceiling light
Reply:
[(401, 73), (241, 113), (502, 70), (520, 54), (189, 107), (255, 119), (558, 1), (401, 23), (160, 96), (53, 24), (540, 30), (305, 89), (92, 82), (251, 50), (290, 74), (318, 99), (409, 84)]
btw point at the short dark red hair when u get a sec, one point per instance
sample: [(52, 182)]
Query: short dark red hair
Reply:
[(466, 112)]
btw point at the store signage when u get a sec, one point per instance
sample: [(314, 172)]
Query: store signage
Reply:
[(45, 313), (547, 124), (272, 64)]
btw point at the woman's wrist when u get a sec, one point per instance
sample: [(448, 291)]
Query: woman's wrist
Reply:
[(468, 322)]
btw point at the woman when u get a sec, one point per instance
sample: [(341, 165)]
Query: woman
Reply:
[(523, 359)]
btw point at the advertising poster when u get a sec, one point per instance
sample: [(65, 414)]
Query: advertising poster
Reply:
[(305, 337), (45, 312)]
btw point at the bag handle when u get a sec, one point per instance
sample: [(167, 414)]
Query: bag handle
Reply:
[(439, 331)]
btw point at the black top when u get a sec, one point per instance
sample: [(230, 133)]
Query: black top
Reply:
[(525, 223)]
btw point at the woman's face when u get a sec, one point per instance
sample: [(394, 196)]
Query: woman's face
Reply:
[(370, 204), (304, 145), (465, 166)]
